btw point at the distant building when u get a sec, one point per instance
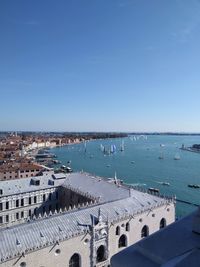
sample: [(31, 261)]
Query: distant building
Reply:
[(14, 170), (75, 220), (175, 246)]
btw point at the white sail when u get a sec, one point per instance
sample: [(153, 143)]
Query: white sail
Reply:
[(122, 146)]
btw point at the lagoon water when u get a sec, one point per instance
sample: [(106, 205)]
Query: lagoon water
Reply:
[(139, 164)]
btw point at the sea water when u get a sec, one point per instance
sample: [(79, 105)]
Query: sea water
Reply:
[(139, 164)]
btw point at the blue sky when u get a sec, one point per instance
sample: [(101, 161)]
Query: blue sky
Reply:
[(100, 65)]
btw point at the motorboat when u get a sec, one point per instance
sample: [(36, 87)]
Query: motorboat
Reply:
[(177, 157), (194, 185)]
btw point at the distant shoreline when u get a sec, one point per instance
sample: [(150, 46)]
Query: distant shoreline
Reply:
[(97, 133)]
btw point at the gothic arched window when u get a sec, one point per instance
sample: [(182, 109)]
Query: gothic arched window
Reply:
[(75, 260)]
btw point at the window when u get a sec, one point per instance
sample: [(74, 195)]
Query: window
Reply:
[(44, 197), (29, 201), (101, 254), (162, 223), (75, 261), (22, 214), (145, 231), (128, 227), (35, 199), (1, 219), (1, 206), (22, 202), (7, 218), (7, 205), (17, 216), (17, 203), (29, 213), (122, 241), (117, 230)]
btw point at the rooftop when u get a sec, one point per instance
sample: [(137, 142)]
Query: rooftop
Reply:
[(98, 187), (19, 186), (175, 246)]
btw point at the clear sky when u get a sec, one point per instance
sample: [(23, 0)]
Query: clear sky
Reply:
[(100, 65)]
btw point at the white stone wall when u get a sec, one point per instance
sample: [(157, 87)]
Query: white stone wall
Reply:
[(47, 257), (39, 204), (137, 223)]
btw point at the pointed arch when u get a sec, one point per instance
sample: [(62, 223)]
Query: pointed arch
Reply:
[(163, 223), (101, 254), (75, 260), (122, 241), (127, 226), (144, 231), (117, 230)]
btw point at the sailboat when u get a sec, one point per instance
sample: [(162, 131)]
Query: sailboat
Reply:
[(112, 149), (102, 147), (85, 146), (122, 146), (161, 155)]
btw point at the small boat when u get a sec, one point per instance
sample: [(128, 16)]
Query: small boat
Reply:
[(177, 157), (165, 183), (108, 165), (194, 185), (132, 161), (55, 161), (63, 167), (68, 169)]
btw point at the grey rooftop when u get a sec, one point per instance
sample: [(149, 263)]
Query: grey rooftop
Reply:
[(98, 187), (47, 231), (24, 185)]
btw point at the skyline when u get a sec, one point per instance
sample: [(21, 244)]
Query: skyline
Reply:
[(123, 66)]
